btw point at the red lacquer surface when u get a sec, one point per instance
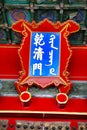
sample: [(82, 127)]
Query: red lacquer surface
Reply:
[(40, 105), (61, 97), (25, 96), (78, 63), (10, 63)]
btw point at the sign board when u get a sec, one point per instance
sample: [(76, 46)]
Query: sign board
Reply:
[(44, 54)]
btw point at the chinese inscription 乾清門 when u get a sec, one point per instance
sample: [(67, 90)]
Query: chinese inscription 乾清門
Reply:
[(45, 54)]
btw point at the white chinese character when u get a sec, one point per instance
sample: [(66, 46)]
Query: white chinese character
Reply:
[(52, 38), (50, 58), (38, 53), (52, 70), (37, 67), (39, 39)]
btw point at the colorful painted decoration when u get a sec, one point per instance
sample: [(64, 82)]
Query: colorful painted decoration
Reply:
[(3, 36), (77, 15), (21, 2), (52, 15), (14, 15), (75, 2), (78, 37), (44, 54), (15, 37), (47, 1)]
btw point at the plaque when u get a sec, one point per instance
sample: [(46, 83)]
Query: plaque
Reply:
[(44, 54)]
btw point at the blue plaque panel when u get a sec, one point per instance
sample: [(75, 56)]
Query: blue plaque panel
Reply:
[(45, 54)]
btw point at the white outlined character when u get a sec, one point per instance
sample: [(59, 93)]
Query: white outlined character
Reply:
[(50, 58), (38, 53), (39, 39), (52, 38), (37, 66), (52, 71)]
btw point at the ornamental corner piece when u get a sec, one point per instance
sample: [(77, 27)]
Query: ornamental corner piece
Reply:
[(44, 54)]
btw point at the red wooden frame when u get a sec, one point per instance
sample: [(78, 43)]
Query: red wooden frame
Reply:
[(25, 29)]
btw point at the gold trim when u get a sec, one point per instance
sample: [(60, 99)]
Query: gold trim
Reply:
[(25, 26), (23, 99), (66, 26), (79, 47), (59, 102), (23, 72), (44, 112), (67, 62), (9, 46)]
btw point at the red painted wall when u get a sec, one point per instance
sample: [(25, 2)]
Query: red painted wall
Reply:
[(10, 63)]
